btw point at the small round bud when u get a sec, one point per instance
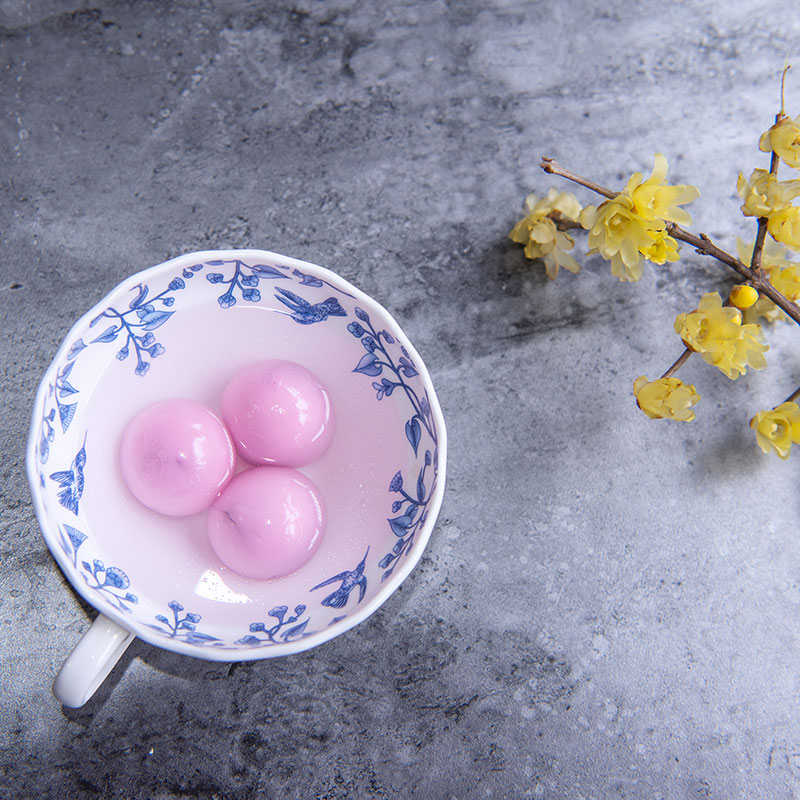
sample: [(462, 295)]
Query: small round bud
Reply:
[(743, 296)]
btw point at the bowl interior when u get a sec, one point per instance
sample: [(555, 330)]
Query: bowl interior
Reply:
[(183, 329)]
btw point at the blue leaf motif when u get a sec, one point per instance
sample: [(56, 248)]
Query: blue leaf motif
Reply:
[(368, 365), (75, 349), (396, 483), (298, 610), (407, 368), (75, 536), (215, 263), (399, 525), (86, 565), (161, 618), (66, 414), (250, 641), (140, 297), (294, 632), (108, 335), (155, 319), (362, 315), (267, 272), (256, 627), (413, 433), (175, 606), (421, 487)]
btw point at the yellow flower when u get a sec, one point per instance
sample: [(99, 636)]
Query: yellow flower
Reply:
[(784, 226), (763, 194), (663, 248), (665, 398), (653, 199), (538, 232), (778, 429), (787, 281), (717, 333), (619, 234), (783, 138), (632, 225)]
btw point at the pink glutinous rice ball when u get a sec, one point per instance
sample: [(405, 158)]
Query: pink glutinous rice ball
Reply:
[(176, 457), (278, 413), (267, 523)]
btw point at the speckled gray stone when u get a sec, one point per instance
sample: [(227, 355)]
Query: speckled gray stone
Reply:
[(609, 607)]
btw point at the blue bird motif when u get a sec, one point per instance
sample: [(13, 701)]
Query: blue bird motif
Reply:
[(71, 481), (306, 314), (350, 580)]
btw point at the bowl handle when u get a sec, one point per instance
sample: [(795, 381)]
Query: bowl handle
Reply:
[(89, 664)]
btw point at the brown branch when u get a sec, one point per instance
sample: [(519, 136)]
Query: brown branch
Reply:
[(679, 362), (554, 168), (761, 233), (564, 223), (702, 244), (793, 396)]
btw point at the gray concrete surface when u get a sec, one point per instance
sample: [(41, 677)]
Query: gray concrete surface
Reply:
[(609, 607)]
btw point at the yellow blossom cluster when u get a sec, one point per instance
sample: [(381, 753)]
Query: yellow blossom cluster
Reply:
[(665, 398), (717, 333), (778, 429), (632, 226), (540, 235), (764, 196), (643, 223)]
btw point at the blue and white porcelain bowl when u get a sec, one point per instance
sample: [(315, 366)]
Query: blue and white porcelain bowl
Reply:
[(183, 329)]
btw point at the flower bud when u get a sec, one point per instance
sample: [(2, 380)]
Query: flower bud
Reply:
[(743, 296)]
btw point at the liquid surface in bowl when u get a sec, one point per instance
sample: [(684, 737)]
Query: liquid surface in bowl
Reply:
[(171, 559)]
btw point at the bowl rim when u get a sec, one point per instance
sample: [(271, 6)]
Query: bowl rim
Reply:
[(48, 527)]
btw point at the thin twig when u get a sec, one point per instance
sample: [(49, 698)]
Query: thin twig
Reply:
[(761, 233), (679, 362), (554, 168), (793, 396), (702, 244)]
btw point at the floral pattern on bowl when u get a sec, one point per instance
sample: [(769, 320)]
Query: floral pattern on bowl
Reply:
[(185, 327)]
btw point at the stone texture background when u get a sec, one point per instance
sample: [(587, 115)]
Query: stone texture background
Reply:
[(609, 607)]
